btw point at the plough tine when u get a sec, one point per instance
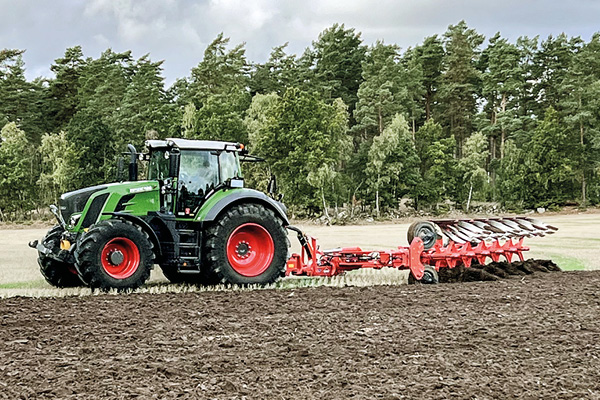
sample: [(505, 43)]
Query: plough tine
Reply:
[(472, 228), (540, 225), (516, 227), (452, 236), (507, 230), (464, 233), (481, 234), (527, 226), (492, 227)]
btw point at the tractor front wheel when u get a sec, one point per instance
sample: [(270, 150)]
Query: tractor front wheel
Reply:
[(246, 245), (114, 254), (56, 273)]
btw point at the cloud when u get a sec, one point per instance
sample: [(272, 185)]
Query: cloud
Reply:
[(178, 31)]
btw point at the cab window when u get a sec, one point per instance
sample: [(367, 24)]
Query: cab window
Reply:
[(158, 168), (198, 175), (230, 166)]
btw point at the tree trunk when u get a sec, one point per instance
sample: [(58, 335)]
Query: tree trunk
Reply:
[(354, 199), (583, 182), (493, 171), (583, 190), (493, 121), (337, 211), (377, 196), (380, 120), (428, 105), (503, 134), (469, 199), (456, 137), (413, 129), (325, 206)]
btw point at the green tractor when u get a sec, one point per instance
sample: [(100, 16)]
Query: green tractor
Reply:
[(192, 216)]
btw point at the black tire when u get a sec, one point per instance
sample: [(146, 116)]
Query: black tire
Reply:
[(266, 262), (425, 230), (56, 273), (430, 277), (127, 259)]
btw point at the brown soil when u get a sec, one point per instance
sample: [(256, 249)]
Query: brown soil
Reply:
[(532, 337), (496, 270)]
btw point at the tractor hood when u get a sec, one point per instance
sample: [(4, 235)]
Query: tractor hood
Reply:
[(136, 198), (74, 202)]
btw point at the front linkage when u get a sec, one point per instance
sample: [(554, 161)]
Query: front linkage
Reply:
[(56, 256)]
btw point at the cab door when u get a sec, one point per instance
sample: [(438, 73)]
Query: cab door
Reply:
[(198, 177)]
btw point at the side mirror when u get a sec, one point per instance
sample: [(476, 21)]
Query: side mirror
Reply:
[(272, 186), (174, 164)]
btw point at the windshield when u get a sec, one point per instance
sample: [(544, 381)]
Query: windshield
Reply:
[(198, 172), (158, 168)]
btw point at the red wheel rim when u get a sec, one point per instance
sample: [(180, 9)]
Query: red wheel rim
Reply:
[(120, 258), (250, 249)]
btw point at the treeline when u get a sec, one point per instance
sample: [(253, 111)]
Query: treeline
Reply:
[(455, 118)]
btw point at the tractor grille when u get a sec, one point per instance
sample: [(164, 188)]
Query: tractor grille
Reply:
[(74, 202)]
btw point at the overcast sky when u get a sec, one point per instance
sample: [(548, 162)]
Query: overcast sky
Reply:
[(178, 31)]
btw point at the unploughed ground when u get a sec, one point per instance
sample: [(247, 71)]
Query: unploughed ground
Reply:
[(534, 336)]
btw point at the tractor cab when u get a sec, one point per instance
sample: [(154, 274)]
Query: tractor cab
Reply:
[(190, 171)]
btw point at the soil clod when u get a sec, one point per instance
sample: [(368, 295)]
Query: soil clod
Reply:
[(496, 270)]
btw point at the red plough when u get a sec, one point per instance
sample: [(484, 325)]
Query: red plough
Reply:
[(433, 245)]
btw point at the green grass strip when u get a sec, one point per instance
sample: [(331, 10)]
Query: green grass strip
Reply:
[(568, 263), (37, 284)]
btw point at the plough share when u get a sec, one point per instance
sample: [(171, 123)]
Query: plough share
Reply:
[(433, 245)]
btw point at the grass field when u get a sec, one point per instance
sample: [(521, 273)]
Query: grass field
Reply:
[(574, 246)]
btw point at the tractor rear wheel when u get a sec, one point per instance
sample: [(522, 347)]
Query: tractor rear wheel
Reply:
[(247, 245), (56, 273), (430, 277), (114, 254)]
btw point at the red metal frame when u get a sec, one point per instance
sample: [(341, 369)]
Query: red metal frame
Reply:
[(314, 262)]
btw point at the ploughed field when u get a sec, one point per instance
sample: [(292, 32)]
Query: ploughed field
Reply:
[(531, 336)]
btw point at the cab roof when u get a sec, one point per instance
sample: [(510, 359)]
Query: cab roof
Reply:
[(187, 144)]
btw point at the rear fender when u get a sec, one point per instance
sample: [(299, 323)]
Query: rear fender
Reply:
[(244, 196)]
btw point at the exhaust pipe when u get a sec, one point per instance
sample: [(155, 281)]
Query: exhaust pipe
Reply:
[(133, 167)]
